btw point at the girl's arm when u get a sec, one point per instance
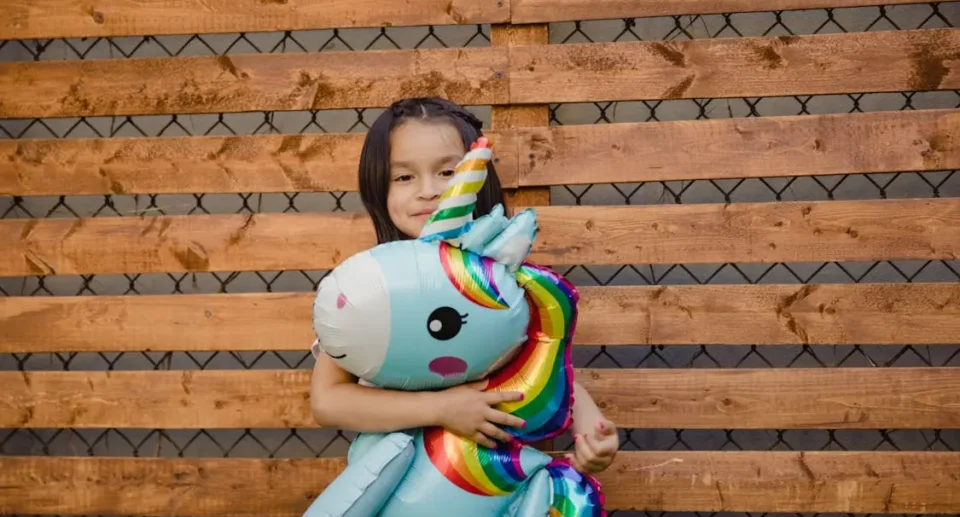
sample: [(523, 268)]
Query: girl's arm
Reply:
[(596, 437), (336, 400)]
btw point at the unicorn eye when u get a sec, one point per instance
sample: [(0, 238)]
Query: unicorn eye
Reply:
[(445, 323)]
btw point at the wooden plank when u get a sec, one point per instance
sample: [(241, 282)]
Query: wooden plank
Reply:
[(922, 140), (925, 229), (816, 314), (542, 11), (847, 482), (508, 117), (38, 19), (202, 164), (781, 398), (664, 151), (886, 61), (249, 82)]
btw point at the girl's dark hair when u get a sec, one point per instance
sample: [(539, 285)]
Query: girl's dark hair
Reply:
[(374, 172)]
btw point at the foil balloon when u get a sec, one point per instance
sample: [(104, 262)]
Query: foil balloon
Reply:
[(459, 303)]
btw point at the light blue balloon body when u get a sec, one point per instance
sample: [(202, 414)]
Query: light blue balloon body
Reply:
[(425, 315)]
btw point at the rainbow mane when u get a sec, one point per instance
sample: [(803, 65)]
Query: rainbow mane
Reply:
[(472, 275), (543, 369), (475, 469)]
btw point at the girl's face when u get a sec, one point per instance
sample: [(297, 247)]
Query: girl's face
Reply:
[(423, 155)]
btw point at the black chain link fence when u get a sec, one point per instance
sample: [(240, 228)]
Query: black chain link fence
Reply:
[(295, 443)]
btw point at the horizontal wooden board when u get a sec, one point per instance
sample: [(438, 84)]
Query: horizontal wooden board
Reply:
[(885, 61), (249, 82), (756, 147), (35, 19), (817, 314), (790, 398), (664, 234), (789, 65), (845, 482), (542, 11), (917, 140), (202, 164)]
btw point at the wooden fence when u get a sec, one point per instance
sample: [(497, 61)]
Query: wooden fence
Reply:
[(519, 74)]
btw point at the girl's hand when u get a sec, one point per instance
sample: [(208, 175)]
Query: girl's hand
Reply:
[(595, 450), (466, 411)]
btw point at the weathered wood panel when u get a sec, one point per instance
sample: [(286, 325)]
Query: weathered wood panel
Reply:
[(249, 82), (846, 482), (791, 398), (884, 61), (197, 164), (922, 140), (530, 11), (819, 314), (694, 233), (36, 19)]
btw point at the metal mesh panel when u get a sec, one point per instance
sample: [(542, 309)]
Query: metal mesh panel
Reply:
[(325, 443)]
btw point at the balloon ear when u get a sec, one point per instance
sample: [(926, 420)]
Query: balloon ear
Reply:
[(458, 202), (513, 245), (479, 233)]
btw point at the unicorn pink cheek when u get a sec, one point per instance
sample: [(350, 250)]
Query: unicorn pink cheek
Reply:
[(341, 301)]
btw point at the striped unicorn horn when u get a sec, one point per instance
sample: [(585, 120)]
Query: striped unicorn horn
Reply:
[(460, 199)]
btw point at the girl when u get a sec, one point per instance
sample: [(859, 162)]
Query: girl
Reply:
[(407, 158)]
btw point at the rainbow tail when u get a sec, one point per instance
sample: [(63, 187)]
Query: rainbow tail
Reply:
[(574, 494)]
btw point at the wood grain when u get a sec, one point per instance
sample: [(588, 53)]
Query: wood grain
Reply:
[(750, 232), (886, 61), (816, 314), (38, 19), (249, 82), (542, 11), (508, 117), (923, 140), (782, 398), (560, 155), (201, 164), (925, 229), (846, 482)]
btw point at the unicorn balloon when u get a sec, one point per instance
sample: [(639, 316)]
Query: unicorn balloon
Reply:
[(455, 305)]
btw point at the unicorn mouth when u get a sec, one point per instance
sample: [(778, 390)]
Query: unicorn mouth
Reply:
[(448, 366)]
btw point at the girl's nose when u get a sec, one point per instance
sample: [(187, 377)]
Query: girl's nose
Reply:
[(431, 188)]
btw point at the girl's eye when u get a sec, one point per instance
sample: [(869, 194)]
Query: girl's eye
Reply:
[(447, 173), (405, 177)]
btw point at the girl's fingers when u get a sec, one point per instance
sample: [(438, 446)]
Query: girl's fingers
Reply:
[(585, 451), (606, 428), (495, 432), (498, 397), (499, 417), (574, 463), (482, 439), (600, 446)]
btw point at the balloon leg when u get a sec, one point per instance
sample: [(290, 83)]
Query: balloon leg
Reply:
[(364, 486), (535, 501)]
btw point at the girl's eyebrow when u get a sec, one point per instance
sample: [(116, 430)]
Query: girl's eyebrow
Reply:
[(446, 159)]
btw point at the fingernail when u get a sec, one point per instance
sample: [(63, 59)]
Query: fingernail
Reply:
[(576, 437), (600, 426)]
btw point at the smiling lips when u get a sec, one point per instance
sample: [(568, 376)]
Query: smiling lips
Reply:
[(448, 366)]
